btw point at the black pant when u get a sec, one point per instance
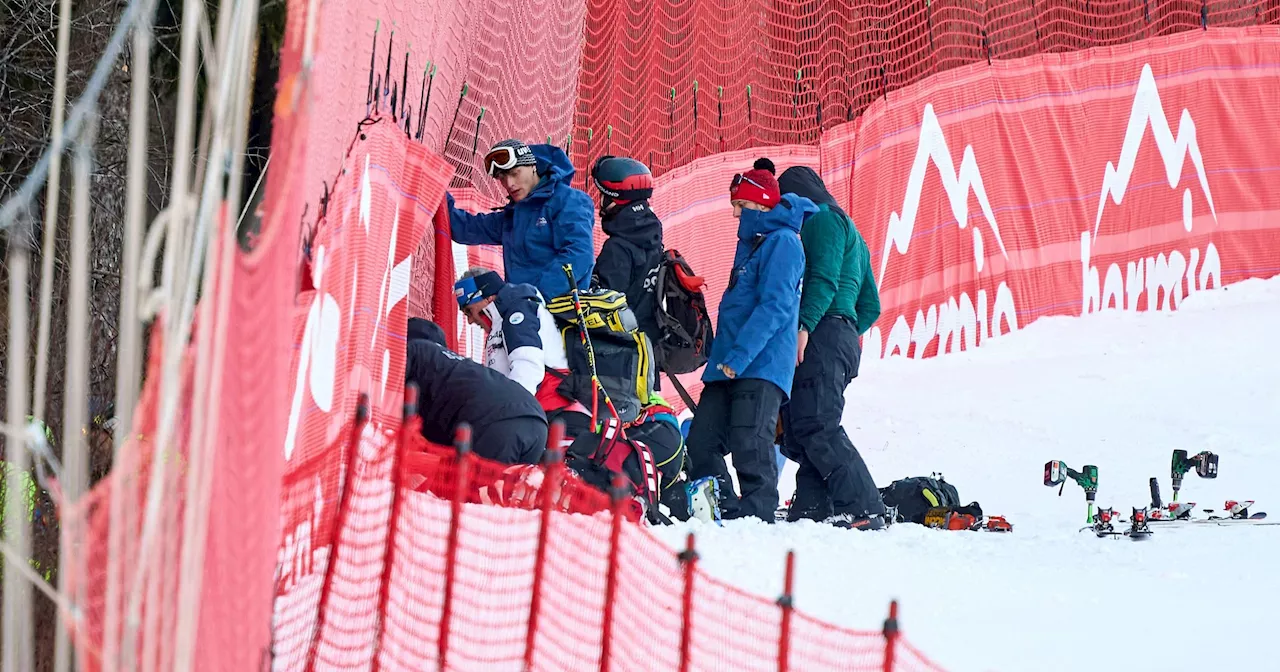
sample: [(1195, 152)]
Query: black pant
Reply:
[(832, 477), (519, 440), (667, 446), (739, 417)]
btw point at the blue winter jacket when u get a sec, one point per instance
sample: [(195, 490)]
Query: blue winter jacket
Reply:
[(760, 312), (551, 227)]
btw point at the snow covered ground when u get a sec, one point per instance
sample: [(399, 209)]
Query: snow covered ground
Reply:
[(1114, 389)]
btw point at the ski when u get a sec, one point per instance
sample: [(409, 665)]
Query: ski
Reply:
[(1237, 514), (1178, 514), (1220, 522)]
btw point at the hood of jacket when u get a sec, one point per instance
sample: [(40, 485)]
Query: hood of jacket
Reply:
[(554, 167), (804, 181), (634, 223), (789, 214)]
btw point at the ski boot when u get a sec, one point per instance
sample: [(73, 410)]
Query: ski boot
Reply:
[(704, 500), (780, 514), (1138, 525), (808, 505), (848, 521)]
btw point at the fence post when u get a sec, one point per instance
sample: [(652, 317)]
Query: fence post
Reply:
[(689, 562), (353, 450), (462, 440), (618, 496), (890, 636), (409, 411), (787, 603), (550, 486)]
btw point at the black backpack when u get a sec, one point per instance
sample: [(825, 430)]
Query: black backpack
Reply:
[(623, 354), (914, 497), (685, 330)]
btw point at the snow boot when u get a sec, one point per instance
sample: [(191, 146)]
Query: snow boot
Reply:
[(848, 521), (809, 506)]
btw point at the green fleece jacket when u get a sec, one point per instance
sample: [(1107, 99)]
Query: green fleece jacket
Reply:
[(837, 275)]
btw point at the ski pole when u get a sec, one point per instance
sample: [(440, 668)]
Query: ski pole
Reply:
[(596, 388)]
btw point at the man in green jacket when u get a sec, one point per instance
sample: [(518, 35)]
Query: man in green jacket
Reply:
[(839, 302)]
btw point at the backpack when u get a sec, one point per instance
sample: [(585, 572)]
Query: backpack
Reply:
[(913, 498), (684, 325), (597, 456), (623, 354)]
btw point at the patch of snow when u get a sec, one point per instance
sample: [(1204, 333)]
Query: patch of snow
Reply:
[(1119, 390)]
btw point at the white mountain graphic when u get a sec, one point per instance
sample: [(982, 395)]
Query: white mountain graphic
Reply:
[(1147, 111), (957, 185)]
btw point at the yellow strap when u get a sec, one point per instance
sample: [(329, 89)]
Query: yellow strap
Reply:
[(933, 499)]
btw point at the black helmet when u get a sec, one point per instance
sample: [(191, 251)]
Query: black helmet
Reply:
[(621, 179)]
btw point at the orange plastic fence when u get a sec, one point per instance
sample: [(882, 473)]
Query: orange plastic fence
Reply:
[(480, 565)]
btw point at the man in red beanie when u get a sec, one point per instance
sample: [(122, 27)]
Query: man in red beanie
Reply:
[(752, 363)]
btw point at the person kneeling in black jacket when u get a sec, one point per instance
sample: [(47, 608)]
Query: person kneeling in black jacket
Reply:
[(507, 423)]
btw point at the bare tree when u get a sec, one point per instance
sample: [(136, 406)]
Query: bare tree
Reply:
[(28, 56)]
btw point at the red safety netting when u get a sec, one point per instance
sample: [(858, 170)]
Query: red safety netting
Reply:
[(1126, 177), (638, 54), (1089, 214), (479, 565), (457, 76), (372, 569), (668, 82), (349, 325), (144, 600), (1021, 149)]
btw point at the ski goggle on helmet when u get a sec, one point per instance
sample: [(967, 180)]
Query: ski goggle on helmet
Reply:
[(505, 157)]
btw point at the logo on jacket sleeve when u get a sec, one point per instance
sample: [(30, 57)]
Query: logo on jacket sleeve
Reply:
[(542, 221), (516, 318)]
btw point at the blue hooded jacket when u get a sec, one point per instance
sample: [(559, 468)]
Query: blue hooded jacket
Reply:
[(759, 318), (551, 227)]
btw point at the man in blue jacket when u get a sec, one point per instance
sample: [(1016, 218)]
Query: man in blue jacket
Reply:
[(545, 225), (752, 362)]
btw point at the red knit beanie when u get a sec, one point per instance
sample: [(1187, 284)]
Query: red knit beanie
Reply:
[(757, 185)]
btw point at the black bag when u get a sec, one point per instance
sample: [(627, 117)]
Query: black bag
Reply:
[(597, 456), (914, 497), (685, 331), (623, 354)]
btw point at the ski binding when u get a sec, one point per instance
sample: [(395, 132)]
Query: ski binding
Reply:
[(1138, 528), (1102, 524), (1237, 511)]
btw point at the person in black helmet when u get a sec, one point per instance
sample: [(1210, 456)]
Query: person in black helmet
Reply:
[(633, 249)]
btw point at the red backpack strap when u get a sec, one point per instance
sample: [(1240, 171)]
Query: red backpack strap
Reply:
[(613, 451), (652, 476)]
